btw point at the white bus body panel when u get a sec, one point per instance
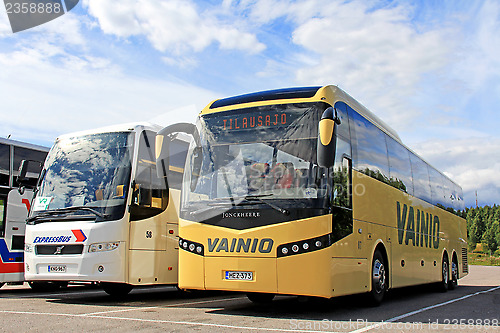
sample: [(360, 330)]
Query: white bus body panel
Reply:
[(11, 265), (84, 266)]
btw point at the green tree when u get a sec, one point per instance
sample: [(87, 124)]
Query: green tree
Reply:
[(489, 238)]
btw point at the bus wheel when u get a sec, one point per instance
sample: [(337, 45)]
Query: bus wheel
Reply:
[(443, 285), (116, 289), (379, 279), (452, 284), (260, 298)]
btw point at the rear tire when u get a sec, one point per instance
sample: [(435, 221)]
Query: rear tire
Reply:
[(453, 283), (260, 298), (443, 285), (379, 279), (116, 289)]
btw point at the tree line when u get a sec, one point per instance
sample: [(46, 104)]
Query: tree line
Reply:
[(483, 226)]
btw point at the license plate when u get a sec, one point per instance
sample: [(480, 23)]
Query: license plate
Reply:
[(244, 276), (57, 269)]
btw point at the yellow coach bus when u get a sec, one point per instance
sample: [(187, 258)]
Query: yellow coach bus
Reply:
[(303, 191)]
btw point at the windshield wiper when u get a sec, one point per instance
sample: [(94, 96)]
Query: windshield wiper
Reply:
[(251, 198), (235, 201), (63, 211)]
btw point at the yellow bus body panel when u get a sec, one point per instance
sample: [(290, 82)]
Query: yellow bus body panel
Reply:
[(154, 260), (375, 212)]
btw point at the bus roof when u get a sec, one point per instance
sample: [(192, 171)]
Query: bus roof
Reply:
[(127, 127), (23, 144), (328, 93)]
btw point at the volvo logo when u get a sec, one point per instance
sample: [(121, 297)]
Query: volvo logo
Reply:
[(59, 249)]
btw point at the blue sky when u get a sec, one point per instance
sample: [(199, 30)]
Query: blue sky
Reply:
[(430, 69)]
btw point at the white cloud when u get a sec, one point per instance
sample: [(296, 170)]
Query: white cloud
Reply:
[(45, 100), (375, 54), (47, 91), (5, 28), (175, 26)]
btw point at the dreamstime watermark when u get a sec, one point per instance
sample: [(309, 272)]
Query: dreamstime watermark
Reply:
[(446, 324), (26, 14)]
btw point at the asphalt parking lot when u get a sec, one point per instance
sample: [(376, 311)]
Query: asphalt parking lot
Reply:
[(473, 307)]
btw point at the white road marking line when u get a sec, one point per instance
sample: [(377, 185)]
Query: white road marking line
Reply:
[(159, 321), (53, 294), (161, 306), (377, 325)]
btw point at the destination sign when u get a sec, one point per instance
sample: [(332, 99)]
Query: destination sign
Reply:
[(265, 123), (243, 121)]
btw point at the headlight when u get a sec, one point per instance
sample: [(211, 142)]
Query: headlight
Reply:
[(98, 247), (28, 247)]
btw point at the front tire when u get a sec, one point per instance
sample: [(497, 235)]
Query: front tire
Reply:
[(116, 289), (379, 279)]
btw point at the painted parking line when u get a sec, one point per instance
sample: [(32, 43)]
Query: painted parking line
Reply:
[(161, 306), (35, 295), (160, 321), (394, 319)]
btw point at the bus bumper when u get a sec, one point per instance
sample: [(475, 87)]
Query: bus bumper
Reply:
[(105, 266), (304, 274)]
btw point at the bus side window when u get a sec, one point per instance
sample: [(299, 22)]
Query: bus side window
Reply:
[(149, 193), (399, 166), (370, 153), (178, 153), (342, 175), (420, 172), (4, 164)]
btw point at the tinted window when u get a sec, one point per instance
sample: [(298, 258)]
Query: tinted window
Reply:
[(420, 171), (4, 164), (178, 152), (150, 193), (399, 166), (448, 193), (370, 155), (437, 190), (341, 175), (343, 128), (458, 200)]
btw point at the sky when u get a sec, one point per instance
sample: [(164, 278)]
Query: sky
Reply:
[(430, 69)]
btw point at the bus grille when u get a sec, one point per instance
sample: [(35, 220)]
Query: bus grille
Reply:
[(59, 249), (465, 265)]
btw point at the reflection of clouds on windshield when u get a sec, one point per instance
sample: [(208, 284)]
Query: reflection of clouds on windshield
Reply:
[(86, 170), (232, 178)]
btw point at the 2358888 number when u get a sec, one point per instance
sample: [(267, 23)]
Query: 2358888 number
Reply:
[(33, 8)]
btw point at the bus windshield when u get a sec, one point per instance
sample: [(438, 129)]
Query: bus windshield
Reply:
[(259, 154), (86, 174)]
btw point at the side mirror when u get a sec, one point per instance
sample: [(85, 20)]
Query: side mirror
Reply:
[(23, 170), (327, 138), (163, 139), (22, 179)]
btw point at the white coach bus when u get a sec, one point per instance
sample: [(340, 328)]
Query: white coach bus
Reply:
[(101, 214)]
